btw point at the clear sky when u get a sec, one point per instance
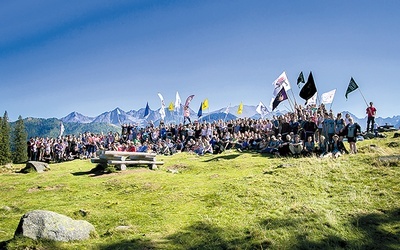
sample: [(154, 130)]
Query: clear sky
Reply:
[(93, 56)]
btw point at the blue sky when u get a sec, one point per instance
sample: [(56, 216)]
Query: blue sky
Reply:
[(93, 56)]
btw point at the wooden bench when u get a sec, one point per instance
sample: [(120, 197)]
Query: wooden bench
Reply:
[(121, 159)]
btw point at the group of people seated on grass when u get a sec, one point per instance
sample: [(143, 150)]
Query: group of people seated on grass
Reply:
[(308, 131)]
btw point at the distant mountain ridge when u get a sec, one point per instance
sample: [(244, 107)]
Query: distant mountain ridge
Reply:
[(75, 123), (118, 117)]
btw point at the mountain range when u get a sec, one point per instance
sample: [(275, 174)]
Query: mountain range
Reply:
[(119, 117), (75, 123)]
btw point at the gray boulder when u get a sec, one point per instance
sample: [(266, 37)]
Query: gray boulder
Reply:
[(40, 224), (37, 166)]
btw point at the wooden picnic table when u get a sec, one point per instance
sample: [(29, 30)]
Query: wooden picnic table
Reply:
[(121, 159)]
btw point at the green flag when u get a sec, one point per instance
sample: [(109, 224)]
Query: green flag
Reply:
[(352, 86), (300, 79)]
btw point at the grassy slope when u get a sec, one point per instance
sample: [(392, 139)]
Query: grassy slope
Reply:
[(229, 201)]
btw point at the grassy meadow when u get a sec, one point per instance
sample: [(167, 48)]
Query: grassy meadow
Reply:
[(229, 201)]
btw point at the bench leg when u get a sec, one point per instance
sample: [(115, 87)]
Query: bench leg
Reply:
[(122, 167), (153, 166)]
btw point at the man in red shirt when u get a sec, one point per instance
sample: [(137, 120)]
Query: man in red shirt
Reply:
[(371, 112)]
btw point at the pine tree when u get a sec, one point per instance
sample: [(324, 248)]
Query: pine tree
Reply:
[(5, 150), (19, 142)]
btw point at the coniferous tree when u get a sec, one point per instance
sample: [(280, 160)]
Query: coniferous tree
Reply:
[(19, 142), (5, 150)]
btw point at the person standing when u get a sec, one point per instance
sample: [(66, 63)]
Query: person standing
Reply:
[(352, 130), (371, 112)]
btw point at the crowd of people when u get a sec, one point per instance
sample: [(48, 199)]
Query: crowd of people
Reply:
[(308, 131)]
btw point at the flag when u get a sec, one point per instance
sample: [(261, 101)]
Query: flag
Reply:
[(262, 109), (162, 113), (146, 111), (240, 108), (309, 88), (328, 97), (227, 109), (171, 106), (312, 100), (162, 100), (177, 101), (352, 86), (205, 104), (281, 81), (300, 79), (280, 97), (162, 109), (62, 129), (188, 100), (271, 102), (200, 113)]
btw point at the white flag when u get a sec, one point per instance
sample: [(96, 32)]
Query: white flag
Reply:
[(62, 129), (162, 113), (262, 109), (312, 100), (227, 109), (281, 81), (328, 97), (162, 100), (162, 109), (177, 101)]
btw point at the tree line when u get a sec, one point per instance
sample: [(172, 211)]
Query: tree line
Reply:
[(12, 142)]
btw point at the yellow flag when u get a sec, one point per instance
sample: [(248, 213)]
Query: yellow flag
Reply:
[(171, 106), (240, 109), (205, 104)]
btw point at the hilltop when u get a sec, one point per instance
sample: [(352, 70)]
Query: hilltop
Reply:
[(228, 201)]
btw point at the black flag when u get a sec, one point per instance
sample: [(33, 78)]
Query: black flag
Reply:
[(280, 97), (352, 86), (300, 79), (309, 88)]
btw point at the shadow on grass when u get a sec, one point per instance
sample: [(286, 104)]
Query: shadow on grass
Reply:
[(130, 244), (223, 157), (203, 235), (199, 235), (96, 171), (379, 231)]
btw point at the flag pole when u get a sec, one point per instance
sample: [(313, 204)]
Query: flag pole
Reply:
[(290, 103), (363, 97), (226, 114), (294, 97)]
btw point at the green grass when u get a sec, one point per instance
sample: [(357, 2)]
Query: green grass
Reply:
[(229, 201)]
